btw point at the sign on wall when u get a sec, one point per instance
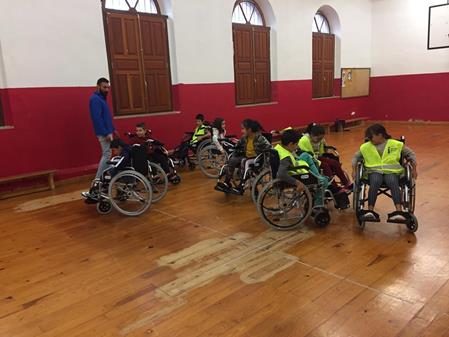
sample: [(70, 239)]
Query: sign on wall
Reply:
[(438, 33)]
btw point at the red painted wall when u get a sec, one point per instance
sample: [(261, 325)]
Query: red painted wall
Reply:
[(422, 97), (52, 128)]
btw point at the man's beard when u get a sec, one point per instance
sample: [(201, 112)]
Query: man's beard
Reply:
[(105, 94)]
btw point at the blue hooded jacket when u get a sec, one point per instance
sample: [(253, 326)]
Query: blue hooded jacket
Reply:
[(100, 115)]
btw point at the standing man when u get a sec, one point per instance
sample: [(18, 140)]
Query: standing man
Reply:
[(104, 130), (102, 122)]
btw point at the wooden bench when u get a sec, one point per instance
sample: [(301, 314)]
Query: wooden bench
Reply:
[(355, 122), (326, 125), (50, 174)]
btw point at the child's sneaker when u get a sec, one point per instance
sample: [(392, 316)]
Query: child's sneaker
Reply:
[(222, 187)]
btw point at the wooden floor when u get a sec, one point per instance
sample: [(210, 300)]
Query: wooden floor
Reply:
[(203, 264)]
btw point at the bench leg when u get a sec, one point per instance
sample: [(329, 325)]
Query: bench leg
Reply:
[(51, 181)]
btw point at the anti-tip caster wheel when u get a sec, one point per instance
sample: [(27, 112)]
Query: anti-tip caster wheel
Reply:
[(322, 219), (413, 224), (104, 207)]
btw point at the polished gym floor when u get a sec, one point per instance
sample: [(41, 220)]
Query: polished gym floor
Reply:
[(200, 263)]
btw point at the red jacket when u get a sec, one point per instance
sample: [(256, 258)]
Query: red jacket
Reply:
[(134, 139)]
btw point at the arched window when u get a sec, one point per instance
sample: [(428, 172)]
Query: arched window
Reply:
[(138, 54), (142, 6), (323, 57), (247, 12), (251, 54), (320, 24)]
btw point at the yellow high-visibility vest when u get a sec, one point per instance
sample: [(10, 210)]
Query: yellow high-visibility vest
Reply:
[(305, 145), (199, 132), (284, 153), (390, 162)]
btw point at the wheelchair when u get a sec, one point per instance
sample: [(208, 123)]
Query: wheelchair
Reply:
[(129, 192), (211, 160), (408, 192), (186, 153), (158, 177), (282, 207), (245, 175)]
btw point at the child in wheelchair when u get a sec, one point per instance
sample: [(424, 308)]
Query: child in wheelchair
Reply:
[(326, 156), (122, 158), (155, 151), (382, 162), (298, 189), (251, 144), (341, 200), (192, 141), (123, 185)]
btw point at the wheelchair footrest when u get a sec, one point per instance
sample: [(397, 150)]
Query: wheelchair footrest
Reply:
[(405, 221), (362, 216)]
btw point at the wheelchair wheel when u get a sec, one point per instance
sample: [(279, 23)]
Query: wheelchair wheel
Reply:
[(259, 183), (322, 218), (413, 224), (282, 207), (409, 194), (211, 160), (104, 207), (203, 144), (130, 193), (158, 180), (359, 190)]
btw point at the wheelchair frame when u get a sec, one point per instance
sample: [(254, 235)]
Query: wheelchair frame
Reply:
[(319, 212), (407, 186)]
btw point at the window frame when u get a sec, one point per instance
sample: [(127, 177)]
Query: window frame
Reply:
[(132, 9), (115, 110), (256, 5), (324, 20)]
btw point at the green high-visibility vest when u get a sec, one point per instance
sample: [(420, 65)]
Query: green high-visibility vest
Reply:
[(284, 153), (199, 132), (305, 145), (390, 162)]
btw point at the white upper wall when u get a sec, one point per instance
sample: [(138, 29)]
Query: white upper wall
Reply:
[(52, 43), (400, 39), (62, 43)]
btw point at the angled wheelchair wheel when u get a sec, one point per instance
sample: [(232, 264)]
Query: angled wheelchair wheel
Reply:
[(413, 224), (158, 180), (259, 183), (282, 207), (203, 144), (359, 190), (211, 160), (409, 196), (104, 207), (130, 193)]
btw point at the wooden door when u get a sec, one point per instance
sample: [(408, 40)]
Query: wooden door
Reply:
[(243, 64), (156, 63), (251, 64), (262, 74), (323, 56), (328, 64), (124, 52)]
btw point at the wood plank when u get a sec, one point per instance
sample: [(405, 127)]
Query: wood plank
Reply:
[(67, 271)]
